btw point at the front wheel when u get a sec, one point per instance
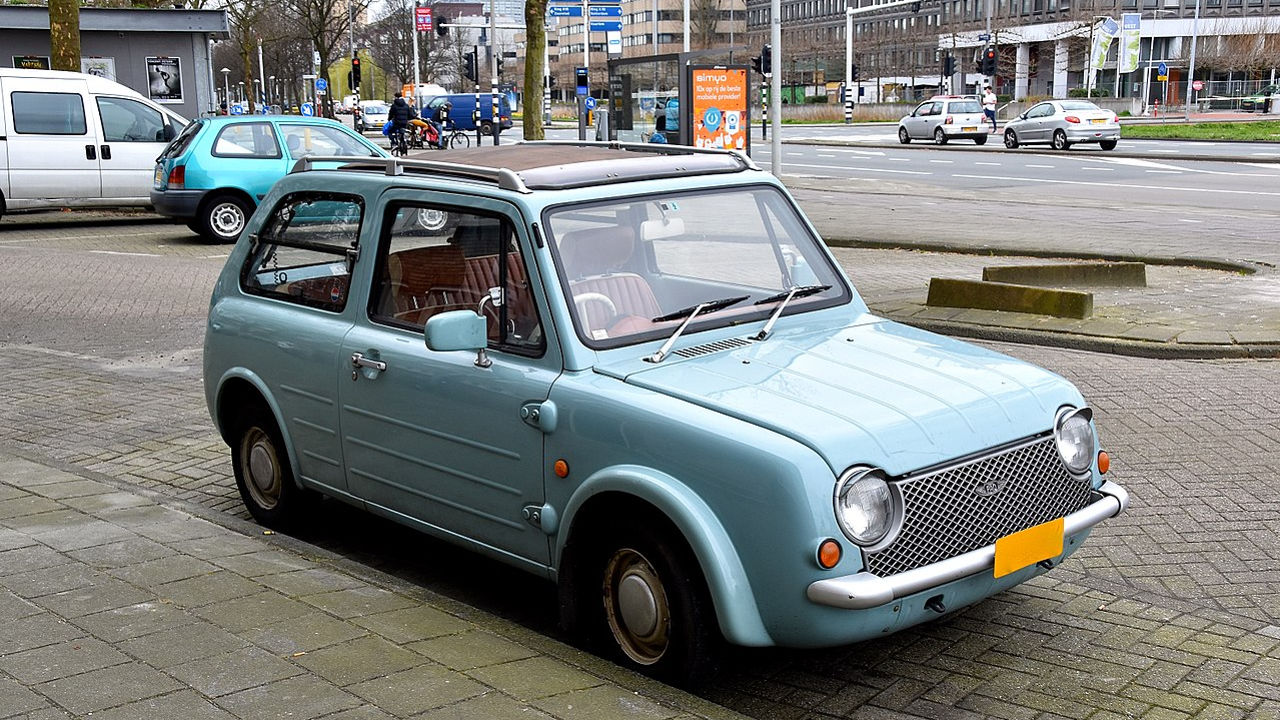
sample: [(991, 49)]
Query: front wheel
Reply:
[(1107, 144), (263, 473), (1060, 140), (1010, 139), (459, 140), (903, 136), (980, 140), (939, 137), (223, 217)]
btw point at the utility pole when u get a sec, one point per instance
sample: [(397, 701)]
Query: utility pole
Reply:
[(495, 121), (775, 84)]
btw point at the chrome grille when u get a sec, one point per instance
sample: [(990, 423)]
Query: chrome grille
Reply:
[(944, 515), (712, 347)]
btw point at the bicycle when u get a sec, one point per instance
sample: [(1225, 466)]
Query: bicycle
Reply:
[(453, 138), (399, 146)]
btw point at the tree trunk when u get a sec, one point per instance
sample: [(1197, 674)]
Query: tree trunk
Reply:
[(535, 19), (64, 34)]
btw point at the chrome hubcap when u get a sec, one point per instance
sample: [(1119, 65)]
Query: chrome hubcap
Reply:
[(226, 219), (263, 470), (636, 606)]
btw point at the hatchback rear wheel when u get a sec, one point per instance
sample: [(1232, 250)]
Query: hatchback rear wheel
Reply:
[(223, 217), (980, 140), (1107, 144), (939, 137)]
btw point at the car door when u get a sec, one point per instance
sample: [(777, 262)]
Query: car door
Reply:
[(433, 437), (1038, 127), (299, 274), (916, 122), (133, 135), (53, 148)]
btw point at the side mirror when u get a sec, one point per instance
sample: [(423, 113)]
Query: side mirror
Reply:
[(169, 134), (456, 330), (1023, 116)]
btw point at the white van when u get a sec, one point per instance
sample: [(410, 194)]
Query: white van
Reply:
[(75, 140)]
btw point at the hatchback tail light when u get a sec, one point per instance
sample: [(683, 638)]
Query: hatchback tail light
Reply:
[(1071, 119), (178, 177), (949, 121)]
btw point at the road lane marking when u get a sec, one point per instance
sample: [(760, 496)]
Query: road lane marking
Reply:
[(1189, 220), (1167, 172), (1118, 185), (1040, 166), (882, 170), (900, 159), (947, 162), (117, 252), (1088, 167), (987, 163)]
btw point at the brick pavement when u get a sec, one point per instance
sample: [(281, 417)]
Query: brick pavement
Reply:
[(1168, 611)]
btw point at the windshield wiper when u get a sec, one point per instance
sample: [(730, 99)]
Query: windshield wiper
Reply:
[(786, 296), (689, 314)]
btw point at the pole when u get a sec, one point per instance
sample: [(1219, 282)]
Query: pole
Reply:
[(495, 120), (262, 70), (546, 82), (848, 67), (226, 88), (775, 84), (655, 32), (475, 111), (1191, 72), (413, 26), (686, 25)]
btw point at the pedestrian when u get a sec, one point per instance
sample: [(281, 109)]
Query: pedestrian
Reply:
[(989, 106)]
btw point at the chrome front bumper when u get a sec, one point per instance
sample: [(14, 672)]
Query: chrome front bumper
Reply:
[(864, 590)]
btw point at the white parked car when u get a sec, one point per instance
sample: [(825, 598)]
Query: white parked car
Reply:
[(945, 117)]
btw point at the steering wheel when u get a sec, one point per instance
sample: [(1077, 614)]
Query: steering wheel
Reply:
[(581, 302)]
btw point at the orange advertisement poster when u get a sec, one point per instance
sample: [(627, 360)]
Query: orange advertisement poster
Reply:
[(720, 108)]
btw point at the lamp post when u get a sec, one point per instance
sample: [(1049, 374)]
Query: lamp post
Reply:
[(226, 89), (1191, 71), (271, 86), (241, 91)]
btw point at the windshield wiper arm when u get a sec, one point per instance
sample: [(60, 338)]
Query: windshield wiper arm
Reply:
[(786, 296), (689, 314)]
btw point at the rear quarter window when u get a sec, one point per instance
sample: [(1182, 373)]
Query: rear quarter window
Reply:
[(41, 113), (306, 251)]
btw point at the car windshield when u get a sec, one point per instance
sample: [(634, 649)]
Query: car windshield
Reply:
[(626, 263), (1079, 105), (966, 106)]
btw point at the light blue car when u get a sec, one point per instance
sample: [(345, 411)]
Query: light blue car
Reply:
[(214, 173), (637, 371)]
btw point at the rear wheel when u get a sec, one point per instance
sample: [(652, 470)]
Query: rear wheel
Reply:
[(1010, 139), (263, 473), (486, 129), (1107, 144), (459, 140), (939, 137), (222, 218), (903, 136), (980, 140), (1060, 140)]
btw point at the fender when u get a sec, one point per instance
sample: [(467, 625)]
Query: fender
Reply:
[(240, 373), (735, 604)]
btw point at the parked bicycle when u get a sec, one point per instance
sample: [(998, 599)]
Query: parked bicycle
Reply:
[(453, 137)]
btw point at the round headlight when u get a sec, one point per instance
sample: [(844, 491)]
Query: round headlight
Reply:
[(864, 506), (1074, 438)]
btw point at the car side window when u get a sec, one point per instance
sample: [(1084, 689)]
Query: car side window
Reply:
[(125, 120), (302, 140), (436, 258), (255, 140), (1041, 111), (305, 252), (47, 113), (922, 109)]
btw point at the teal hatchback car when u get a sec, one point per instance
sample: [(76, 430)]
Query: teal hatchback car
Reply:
[(214, 173), (636, 370)]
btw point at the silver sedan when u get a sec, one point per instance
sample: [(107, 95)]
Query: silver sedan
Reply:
[(1063, 123)]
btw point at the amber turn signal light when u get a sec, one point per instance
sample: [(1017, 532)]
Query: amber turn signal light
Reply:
[(828, 554), (562, 469), (1104, 462)]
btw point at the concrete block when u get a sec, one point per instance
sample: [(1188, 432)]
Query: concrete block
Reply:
[(1108, 274), (948, 292)]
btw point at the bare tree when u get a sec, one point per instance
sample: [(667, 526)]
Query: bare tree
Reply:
[(326, 23), (704, 17), (64, 34), (535, 46)]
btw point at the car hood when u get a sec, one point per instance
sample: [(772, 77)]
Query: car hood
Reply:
[(878, 393)]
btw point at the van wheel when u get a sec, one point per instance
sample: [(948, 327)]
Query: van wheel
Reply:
[(646, 603), (263, 473), (486, 128), (223, 217)]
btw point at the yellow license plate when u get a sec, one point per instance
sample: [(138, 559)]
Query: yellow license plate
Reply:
[(1027, 547), (1098, 121), (971, 129), (159, 174)]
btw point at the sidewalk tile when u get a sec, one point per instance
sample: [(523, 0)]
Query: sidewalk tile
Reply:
[(414, 623), (107, 595), (15, 698), (152, 573), (253, 612), (30, 557), (100, 689), (185, 643), (124, 552), (359, 601), (535, 677), (469, 650), (264, 562), (36, 631), (215, 587), (131, 621), (358, 660), (180, 705), (225, 674), (418, 690), (606, 701), (303, 634), (47, 581), (59, 660), (309, 581), (13, 607), (487, 707), (302, 697)]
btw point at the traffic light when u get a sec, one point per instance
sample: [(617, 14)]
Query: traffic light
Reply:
[(355, 73), (441, 28), (766, 59), (551, 81), (989, 60), (949, 66), (757, 64), (498, 60), (854, 72), (470, 71)]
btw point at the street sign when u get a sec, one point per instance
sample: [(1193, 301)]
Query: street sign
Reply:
[(322, 84), (237, 109), (605, 11), (1162, 72), (264, 110), (423, 18), (589, 102), (308, 109), (564, 11), (606, 25), (985, 37), (1198, 85)]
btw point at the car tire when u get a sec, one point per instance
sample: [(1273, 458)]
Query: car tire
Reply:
[(980, 140), (1107, 144), (223, 217), (1010, 139), (486, 129), (1060, 140), (642, 596), (903, 136), (939, 137), (263, 473)]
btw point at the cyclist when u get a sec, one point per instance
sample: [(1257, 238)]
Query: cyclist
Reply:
[(399, 115), (440, 121)]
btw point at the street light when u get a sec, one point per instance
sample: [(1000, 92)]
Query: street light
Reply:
[(1191, 71), (226, 89), (241, 91), (271, 86)]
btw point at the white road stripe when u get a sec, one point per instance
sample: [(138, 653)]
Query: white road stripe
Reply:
[(117, 252), (862, 169), (1166, 172), (1120, 185), (1039, 166), (945, 162), (987, 163)]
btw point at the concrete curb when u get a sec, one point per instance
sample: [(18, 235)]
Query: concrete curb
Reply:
[(952, 147)]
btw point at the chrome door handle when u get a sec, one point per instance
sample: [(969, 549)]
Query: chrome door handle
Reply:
[(358, 360)]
